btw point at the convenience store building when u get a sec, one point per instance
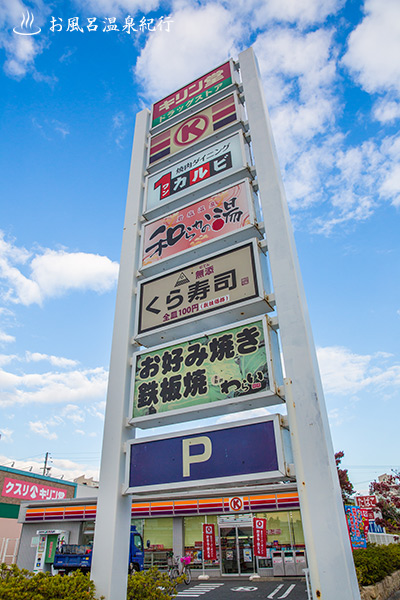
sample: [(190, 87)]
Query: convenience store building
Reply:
[(177, 525)]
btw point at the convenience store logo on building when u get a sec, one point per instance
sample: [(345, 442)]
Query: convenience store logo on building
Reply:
[(193, 129), (191, 94)]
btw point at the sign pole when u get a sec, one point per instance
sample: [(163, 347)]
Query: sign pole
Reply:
[(328, 547), (111, 540)]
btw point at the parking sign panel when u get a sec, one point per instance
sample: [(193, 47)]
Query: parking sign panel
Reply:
[(223, 454)]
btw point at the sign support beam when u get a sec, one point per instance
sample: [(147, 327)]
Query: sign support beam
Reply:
[(327, 540), (111, 541)]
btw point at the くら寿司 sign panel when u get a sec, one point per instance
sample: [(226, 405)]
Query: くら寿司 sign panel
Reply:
[(192, 94), (233, 454), (224, 370), (212, 285)]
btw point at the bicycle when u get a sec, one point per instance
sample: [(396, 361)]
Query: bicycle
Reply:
[(179, 567)]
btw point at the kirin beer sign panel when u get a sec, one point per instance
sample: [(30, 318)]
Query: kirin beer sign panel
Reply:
[(222, 371), (227, 281)]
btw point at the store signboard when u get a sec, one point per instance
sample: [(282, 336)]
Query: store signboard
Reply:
[(227, 212), (216, 283), (194, 129), (260, 537), (224, 370), (209, 545), (202, 458), (366, 501), (200, 169), (192, 94), (24, 490), (355, 525)]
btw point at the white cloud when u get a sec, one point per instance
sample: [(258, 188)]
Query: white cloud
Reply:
[(74, 414), (59, 467), (111, 8), (42, 429), (57, 361), (306, 12), (5, 338), (203, 37), (298, 72), (52, 387), (52, 273), (374, 47), (6, 435), (346, 373), (386, 110), (20, 50)]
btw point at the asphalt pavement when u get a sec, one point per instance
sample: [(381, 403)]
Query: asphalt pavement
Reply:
[(243, 589)]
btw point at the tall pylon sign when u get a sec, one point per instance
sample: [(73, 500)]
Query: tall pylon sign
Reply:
[(209, 298)]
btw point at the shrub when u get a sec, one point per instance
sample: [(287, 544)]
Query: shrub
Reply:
[(20, 584), (374, 563), (151, 585)]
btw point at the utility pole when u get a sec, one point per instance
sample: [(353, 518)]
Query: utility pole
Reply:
[(46, 459)]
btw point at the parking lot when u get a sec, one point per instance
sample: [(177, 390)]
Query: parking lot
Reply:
[(234, 589)]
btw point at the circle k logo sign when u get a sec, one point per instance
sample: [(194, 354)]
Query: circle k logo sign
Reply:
[(191, 130)]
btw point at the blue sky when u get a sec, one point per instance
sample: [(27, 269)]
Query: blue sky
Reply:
[(332, 82)]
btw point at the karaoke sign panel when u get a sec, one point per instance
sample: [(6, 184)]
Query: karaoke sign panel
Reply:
[(193, 129), (190, 95), (225, 369), (218, 281), (209, 165), (219, 455), (221, 214)]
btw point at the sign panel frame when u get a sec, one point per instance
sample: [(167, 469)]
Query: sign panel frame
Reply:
[(185, 99), (193, 321), (240, 440), (194, 132), (269, 396), (199, 226), (238, 151)]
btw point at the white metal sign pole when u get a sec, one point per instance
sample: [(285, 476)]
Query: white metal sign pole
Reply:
[(111, 541), (327, 540)]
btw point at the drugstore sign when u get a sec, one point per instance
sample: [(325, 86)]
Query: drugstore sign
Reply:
[(191, 94)]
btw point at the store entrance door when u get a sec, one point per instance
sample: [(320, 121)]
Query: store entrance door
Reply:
[(236, 549)]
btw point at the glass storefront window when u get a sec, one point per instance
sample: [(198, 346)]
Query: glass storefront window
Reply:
[(193, 540), (158, 532)]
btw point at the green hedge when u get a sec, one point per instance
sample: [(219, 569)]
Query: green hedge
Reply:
[(20, 584), (374, 563)]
